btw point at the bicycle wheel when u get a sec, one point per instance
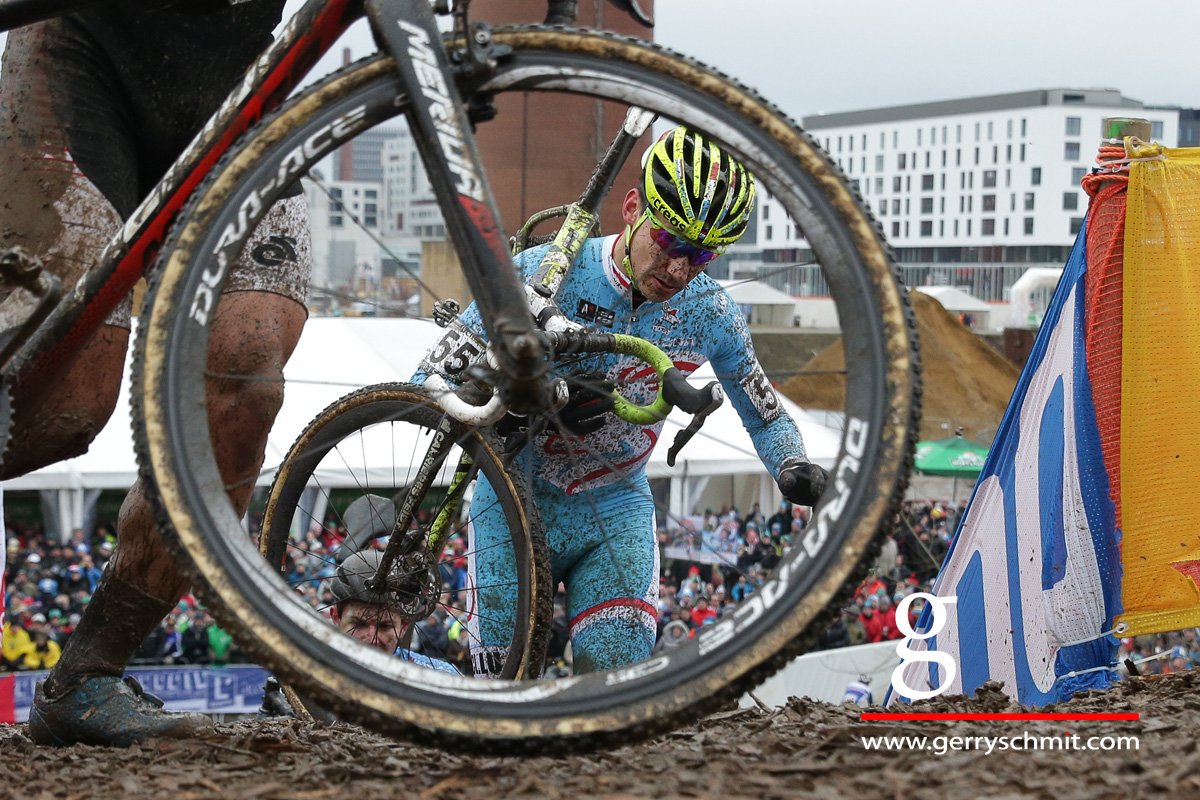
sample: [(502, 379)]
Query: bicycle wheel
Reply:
[(373, 436), (756, 638)]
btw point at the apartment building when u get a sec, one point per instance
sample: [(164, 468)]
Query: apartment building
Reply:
[(970, 192)]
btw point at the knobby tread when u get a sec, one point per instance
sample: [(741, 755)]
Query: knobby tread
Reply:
[(856, 217)]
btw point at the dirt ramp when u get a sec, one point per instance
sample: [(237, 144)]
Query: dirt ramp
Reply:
[(967, 383)]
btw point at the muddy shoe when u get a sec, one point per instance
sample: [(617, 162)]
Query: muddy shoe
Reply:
[(275, 704), (109, 711)]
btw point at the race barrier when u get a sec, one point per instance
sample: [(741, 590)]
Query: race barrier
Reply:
[(825, 674), (1082, 526), (235, 689)]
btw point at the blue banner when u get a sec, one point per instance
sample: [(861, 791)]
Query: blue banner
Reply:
[(235, 689)]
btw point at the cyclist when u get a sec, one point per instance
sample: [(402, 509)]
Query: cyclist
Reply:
[(368, 616), (94, 107), (365, 615), (693, 202)]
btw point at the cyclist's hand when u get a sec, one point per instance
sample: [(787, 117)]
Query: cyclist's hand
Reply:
[(802, 483), (589, 398)]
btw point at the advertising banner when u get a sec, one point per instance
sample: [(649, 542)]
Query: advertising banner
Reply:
[(235, 689)]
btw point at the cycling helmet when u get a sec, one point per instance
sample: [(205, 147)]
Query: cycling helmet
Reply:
[(350, 581), (698, 189)]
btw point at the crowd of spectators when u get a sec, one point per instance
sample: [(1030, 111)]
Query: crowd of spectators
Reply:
[(1159, 653), (710, 563), (47, 586)]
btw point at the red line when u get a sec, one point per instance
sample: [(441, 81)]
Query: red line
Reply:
[(1079, 716)]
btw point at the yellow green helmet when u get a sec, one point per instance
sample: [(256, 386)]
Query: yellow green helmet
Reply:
[(698, 189)]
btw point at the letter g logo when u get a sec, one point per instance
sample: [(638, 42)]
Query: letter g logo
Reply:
[(949, 668)]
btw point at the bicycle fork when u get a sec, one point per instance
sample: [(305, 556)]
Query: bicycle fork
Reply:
[(403, 543)]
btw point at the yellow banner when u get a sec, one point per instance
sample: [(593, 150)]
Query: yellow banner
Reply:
[(1160, 393)]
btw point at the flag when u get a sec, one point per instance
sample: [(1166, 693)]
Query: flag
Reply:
[(1035, 566)]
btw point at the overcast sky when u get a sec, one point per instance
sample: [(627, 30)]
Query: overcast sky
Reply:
[(811, 56)]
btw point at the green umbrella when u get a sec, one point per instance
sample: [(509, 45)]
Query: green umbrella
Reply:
[(955, 457)]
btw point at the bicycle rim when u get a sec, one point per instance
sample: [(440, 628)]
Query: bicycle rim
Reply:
[(756, 639), (401, 421)]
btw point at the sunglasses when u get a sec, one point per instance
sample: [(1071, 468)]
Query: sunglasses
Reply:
[(677, 247)]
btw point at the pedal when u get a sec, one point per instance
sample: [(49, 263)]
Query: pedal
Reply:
[(31, 293)]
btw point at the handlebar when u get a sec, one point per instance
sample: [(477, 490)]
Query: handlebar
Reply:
[(673, 387)]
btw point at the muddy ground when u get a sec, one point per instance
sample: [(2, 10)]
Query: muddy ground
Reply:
[(803, 750)]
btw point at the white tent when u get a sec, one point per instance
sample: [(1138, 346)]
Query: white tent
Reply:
[(337, 355), (767, 307), (956, 301)]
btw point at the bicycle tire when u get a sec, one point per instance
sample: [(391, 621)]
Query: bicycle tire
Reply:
[(404, 403), (783, 619)]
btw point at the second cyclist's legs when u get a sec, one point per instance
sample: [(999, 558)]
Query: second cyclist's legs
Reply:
[(612, 577), (602, 547), (490, 600)]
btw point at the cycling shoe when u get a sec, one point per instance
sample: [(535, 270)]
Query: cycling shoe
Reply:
[(107, 710)]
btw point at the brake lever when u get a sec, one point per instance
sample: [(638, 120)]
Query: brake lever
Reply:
[(715, 396)]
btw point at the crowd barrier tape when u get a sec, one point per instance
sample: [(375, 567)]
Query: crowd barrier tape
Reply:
[(235, 689)]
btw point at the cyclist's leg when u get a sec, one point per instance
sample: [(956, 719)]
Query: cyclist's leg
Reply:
[(254, 333), (58, 216), (490, 597), (612, 586)]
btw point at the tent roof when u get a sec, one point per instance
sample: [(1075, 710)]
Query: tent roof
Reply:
[(954, 299), (337, 355), (756, 293)]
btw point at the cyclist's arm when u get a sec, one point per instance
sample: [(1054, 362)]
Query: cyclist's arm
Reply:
[(774, 432), (422, 660), (466, 339)]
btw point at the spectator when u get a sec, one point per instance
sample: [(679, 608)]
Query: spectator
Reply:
[(15, 642), (741, 590), (171, 651), (43, 653), (899, 571), (887, 615), (57, 628), (75, 581), (220, 645), (872, 622), (782, 517), (856, 633), (701, 613), (195, 640)]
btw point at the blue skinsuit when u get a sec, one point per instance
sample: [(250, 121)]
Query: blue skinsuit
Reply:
[(610, 567)]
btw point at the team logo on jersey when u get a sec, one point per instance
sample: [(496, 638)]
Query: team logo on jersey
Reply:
[(590, 312), (669, 319), (274, 251), (762, 394)]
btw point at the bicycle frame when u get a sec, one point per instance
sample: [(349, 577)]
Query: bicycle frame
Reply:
[(410, 31)]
